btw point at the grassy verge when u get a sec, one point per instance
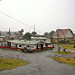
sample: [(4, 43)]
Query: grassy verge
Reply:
[(9, 63), (62, 52), (70, 61), (67, 46)]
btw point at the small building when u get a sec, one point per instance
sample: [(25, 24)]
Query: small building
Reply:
[(33, 45), (40, 38), (2, 38)]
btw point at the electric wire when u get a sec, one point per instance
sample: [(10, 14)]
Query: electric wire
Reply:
[(17, 20)]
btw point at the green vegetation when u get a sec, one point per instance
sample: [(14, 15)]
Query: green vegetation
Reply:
[(68, 46), (9, 63), (70, 61), (62, 52)]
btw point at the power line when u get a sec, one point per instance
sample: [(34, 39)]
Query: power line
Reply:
[(17, 20), (14, 18)]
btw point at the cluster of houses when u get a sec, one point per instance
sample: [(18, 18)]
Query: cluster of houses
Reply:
[(33, 45), (37, 43)]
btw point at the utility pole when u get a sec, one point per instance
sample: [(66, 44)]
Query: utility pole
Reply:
[(9, 33), (58, 39), (34, 30)]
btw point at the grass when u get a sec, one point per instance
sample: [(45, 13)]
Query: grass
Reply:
[(67, 46), (62, 52), (70, 61), (9, 63)]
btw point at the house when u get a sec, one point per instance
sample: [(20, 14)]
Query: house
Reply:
[(2, 38), (63, 34), (13, 35), (40, 38), (33, 45)]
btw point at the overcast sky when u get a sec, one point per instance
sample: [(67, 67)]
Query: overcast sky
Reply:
[(47, 15)]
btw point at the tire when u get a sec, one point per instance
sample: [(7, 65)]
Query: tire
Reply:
[(22, 50), (31, 51)]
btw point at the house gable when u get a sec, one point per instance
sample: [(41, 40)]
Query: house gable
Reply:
[(69, 34), (60, 35)]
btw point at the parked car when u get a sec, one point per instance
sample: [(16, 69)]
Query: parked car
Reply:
[(26, 49)]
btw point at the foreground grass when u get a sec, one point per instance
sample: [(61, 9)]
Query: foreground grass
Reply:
[(70, 61), (9, 63), (62, 52), (67, 46)]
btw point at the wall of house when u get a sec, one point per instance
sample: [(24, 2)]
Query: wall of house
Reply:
[(33, 47), (3, 44), (69, 34), (39, 47), (19, 46), (13, 46), (50, 46), (60, 35), (2, 38), (44, 46)]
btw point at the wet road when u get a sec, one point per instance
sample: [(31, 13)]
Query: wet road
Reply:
[(40, 64)]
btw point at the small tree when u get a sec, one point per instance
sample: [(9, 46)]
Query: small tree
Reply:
[(21, 32), (46, 34), (34, 33), (12, 38), (27, 36), (51, 35), (0, 33)]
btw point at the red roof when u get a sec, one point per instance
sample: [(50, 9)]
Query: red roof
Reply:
[(64, 31)]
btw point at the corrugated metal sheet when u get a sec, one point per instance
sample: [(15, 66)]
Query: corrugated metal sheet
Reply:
[(26, 42)]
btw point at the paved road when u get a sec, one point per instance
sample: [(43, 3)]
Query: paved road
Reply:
[(40, 64)]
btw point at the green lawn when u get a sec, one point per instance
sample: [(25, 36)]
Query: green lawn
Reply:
[(70, 61), (67, 46), (9, 63), (62, 52)]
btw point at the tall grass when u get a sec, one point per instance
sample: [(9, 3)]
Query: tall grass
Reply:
[(70, 61), (9, 63), (68, 46)]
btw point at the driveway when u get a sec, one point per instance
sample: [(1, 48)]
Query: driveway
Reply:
[(40, 64)]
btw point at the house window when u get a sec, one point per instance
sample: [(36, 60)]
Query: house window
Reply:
[(20, 45)]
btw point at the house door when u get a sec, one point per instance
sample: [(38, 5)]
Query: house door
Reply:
[(46, 46), (42, 46), (9, 45), (37, 47)]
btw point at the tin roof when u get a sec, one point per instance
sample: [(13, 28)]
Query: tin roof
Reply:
[(15, 41), (26, 42), (39, 38), (64, 31)]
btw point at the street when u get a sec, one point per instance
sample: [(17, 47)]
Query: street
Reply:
[(40, 64)]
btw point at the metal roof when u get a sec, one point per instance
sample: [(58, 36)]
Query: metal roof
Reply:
[(26, 42), (39, 38)]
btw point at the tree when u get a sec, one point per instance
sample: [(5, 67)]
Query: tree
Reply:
[(46, 34), (27, 36), (21, 32), (12, 38), (34, 33), (9, 33), (0, 33), (51, 35)]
